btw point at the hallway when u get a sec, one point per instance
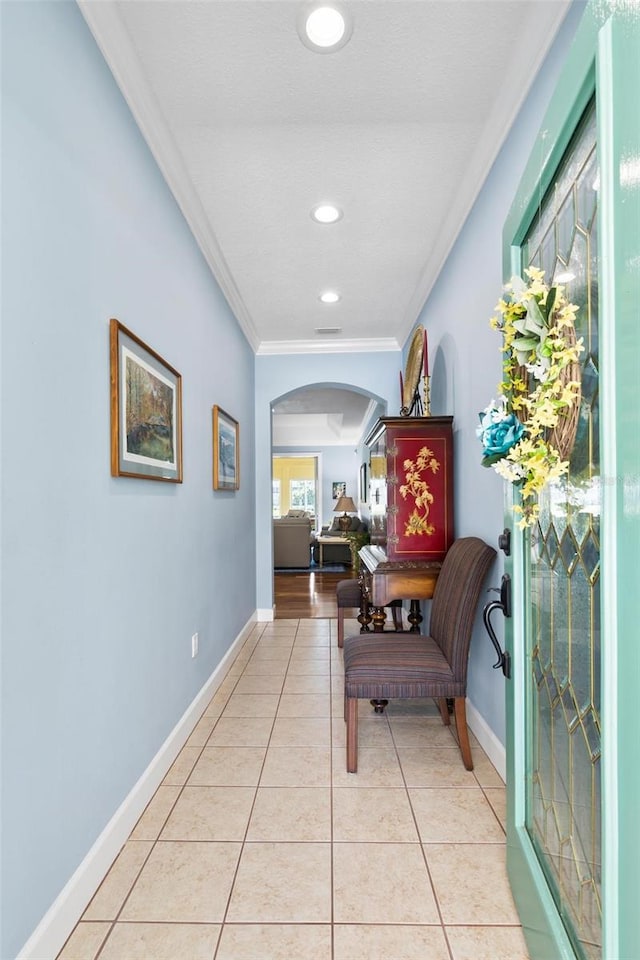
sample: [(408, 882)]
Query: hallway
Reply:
[(259, 846)]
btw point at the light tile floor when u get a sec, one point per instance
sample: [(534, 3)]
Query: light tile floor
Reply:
[(259, 846)]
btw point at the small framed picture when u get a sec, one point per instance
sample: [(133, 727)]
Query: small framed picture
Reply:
[(146, 410), (226, 451), (339, 488)]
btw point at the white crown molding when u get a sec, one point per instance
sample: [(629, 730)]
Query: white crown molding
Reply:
[(110, 32), (276, 347), (115, 45), (495, 133)]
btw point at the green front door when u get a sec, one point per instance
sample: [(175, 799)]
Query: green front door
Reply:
[(573, 729)]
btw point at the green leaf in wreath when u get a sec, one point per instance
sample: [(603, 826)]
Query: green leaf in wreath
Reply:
[(551, 299), (520, 324), (527, 344), (489, 459), (535, 322)]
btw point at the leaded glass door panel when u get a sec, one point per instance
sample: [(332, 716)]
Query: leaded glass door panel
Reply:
[(563, 787), (573, 723)]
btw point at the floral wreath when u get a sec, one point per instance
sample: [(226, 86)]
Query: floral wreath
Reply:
[(520, 432)]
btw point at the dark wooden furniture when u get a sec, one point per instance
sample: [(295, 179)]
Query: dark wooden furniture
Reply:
[(383, 581), (411, 522), (349, 596), (389, 665), (411, 488)]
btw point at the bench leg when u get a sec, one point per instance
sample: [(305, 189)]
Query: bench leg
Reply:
[(463, 733), (352, 734), (341, 626)]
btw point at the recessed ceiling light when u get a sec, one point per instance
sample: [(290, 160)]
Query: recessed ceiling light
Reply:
[(329, 296), (324, 27), (326, 213)]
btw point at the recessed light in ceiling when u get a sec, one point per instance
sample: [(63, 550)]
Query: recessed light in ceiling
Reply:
[(326, 213), (329, 296), (324, 27)]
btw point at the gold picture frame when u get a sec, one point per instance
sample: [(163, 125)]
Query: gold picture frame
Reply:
[(226, 451), (413, 367), (146, 410)]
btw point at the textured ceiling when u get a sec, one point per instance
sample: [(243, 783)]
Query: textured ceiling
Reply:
[(252, 129)]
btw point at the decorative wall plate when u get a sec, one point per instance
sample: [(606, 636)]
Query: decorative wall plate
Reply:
[(413, 368)]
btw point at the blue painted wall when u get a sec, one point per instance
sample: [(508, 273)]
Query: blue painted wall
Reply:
[(104, 579), (465, 353), (341, 464)]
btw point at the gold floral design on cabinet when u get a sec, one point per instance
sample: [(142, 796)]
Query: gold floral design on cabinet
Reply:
[(418, 523)]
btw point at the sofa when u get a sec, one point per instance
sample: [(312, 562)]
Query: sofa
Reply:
[(292, 540), (337, 552)]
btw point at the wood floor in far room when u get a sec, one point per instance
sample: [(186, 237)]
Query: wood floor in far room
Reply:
[(306, 595)]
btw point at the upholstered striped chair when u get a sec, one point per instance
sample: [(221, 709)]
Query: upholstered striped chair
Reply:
[(349, 597), (383, 666)]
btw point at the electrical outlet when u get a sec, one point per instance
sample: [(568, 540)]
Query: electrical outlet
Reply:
[(194, 645)]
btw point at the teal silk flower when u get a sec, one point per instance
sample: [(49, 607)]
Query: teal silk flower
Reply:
[(498, 432)]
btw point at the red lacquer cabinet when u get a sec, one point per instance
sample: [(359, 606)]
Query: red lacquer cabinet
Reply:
[(411, 487)]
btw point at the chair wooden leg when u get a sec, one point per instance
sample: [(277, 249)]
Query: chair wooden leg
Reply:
[(341, 626), (463, 733), (444, 711), (352, 734)]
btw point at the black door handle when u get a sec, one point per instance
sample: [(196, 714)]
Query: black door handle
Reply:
[(504, 542), (504, 604)]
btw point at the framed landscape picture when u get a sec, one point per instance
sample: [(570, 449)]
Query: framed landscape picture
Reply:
[(146, 410), (226, 451)]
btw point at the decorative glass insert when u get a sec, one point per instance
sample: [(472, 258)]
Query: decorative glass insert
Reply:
[(563, 805)]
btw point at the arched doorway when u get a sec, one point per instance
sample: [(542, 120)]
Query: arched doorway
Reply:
[(317, 451)]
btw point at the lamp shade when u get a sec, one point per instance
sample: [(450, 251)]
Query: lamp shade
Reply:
[(345, 503)]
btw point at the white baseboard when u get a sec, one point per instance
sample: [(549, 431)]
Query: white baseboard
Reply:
[(264, 614), (487, 739), (53, 930)]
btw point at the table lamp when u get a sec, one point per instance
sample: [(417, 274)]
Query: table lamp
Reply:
[(345, 503)]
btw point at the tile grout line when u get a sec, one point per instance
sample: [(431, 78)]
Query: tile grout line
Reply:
[(182, 786), (331, 787), (156, 839), (254, 641), (224, 920), (436, 899)]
